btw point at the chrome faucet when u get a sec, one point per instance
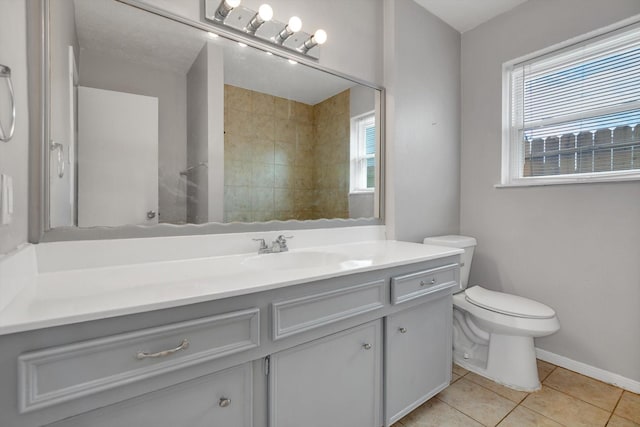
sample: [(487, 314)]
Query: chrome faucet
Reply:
[(278, 245)]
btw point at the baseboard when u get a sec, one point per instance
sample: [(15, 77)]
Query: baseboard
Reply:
[(589, 371)]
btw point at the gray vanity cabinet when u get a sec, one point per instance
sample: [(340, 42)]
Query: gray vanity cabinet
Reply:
[(334, 381), (417, 355), (221, 399)]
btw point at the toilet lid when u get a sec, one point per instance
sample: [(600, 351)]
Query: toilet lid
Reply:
[(511, 305)]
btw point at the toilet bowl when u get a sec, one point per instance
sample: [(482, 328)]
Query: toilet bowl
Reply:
[(493, 331)]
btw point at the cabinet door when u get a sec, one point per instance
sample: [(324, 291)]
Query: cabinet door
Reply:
[(220, 399), (333, 381), (418, 356)]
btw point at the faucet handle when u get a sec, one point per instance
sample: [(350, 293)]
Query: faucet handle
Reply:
[(263, 244), (283, 239)]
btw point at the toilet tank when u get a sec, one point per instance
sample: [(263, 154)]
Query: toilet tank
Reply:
[(462, 242)]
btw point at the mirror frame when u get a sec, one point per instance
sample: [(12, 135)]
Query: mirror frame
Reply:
[(39, 113)]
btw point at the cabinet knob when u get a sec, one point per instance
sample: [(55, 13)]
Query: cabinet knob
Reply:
[(224, 402), (366, 346), (403, 330)]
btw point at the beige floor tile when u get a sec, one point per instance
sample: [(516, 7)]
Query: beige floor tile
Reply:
[(523, 417), (629, 407), (435, 413), (592, 391), (509, 393), (477, 402), (565, 409), (459, 370), (617, 421), (455, 377), (544, 369), (398, 424)]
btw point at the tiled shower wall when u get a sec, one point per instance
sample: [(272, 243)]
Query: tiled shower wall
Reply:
[(285, 159)]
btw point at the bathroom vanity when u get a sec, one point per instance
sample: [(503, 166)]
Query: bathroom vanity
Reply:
[(345, 335)]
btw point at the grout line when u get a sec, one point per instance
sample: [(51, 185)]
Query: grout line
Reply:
[(458, 410), (582, 400), (567, 394), (543, 415), (616, 407), (508, 413)]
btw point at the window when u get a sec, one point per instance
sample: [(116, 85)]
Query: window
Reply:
[(363, 153), (573, 114)]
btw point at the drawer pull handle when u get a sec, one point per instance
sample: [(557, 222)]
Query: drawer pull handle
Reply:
[(224, 402), (183, 346), (403, 330), (432, 282), (366, 346)]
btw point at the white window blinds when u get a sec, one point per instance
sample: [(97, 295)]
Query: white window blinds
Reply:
[(577, 110)]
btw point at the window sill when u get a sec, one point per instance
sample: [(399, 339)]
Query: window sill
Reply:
[(542, 182), (362, 191)]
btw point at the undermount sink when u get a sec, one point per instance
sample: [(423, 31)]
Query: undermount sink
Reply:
[(294, 260)]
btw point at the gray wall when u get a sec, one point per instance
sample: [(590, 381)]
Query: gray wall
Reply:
[(422, 77), (104, 71), (14, 154), (573, 247)]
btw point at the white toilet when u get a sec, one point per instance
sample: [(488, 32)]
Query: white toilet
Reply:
[(493, 332)]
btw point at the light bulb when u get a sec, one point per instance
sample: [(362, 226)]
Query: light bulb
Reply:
[(265, 12), (232, 3), (320, 36), (295, 24)]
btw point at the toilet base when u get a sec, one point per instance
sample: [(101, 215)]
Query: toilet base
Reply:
[(511, 361)]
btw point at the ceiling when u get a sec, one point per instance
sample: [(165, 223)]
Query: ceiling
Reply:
[(465, 15)]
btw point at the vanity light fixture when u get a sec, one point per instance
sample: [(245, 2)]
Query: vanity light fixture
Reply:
[(242, 44), (292, 62), (226, 6), (265, 13), (319, 37), (243, 22), (294, 25)]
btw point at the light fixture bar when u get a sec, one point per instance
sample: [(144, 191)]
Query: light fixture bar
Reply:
[(260, 25)]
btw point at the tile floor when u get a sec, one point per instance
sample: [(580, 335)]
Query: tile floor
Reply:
[(566, 399)]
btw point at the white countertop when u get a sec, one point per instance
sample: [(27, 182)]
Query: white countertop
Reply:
[(69, 296)]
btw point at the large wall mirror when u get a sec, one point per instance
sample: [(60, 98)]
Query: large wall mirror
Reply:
[(154, 121)]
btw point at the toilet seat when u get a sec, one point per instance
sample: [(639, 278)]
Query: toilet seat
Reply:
[(510, 305)]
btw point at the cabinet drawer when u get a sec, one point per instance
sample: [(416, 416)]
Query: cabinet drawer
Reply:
[(414, 285), (298, 315), (59, 374), (220, 399)]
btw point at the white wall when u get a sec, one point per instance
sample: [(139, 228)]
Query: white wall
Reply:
[(422, 77), (104, 71), (573, 247), (205, 136), (14, 154)]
